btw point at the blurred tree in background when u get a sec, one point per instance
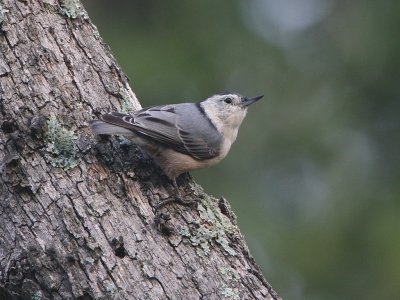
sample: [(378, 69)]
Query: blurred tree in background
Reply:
[(314, 174)]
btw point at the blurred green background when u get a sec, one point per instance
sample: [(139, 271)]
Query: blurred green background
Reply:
[(314, 174)]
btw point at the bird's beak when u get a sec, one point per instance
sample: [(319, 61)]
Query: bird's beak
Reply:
[(248, 101)]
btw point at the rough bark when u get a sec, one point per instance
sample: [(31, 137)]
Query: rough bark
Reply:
[(77, 214)]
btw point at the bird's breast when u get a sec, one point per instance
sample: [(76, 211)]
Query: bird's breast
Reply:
[(175, 163)]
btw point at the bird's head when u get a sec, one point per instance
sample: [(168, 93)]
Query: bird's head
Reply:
[(227, 111)]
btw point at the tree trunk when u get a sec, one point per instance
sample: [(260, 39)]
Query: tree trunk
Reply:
[(77, 214)]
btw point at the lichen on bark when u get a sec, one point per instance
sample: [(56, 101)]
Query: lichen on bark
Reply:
[(60, 142)]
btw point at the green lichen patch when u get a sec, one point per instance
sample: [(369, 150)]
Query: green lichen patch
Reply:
[(3, 12), (230, 293), (126, 104), (110, 288), (61, 144), (232, 277), (185, 232), (73, 9), (213, 228), (38, 295), (229, 273)]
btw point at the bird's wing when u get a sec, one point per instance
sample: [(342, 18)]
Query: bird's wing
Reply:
[(179, 126)]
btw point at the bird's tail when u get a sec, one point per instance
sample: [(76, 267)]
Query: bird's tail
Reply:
[(101, 127)]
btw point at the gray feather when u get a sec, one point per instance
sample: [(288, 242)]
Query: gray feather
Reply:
[(101, 127)]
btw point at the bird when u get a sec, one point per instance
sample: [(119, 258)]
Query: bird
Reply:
[(181, 137)]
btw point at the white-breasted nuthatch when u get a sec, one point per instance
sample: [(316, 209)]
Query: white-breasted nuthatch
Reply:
[(182, 137)]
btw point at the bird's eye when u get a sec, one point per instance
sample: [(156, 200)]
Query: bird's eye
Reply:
[(228, 100)]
